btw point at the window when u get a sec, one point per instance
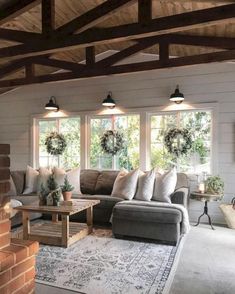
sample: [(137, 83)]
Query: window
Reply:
[(199, 123), (70, 128), (128, 158)]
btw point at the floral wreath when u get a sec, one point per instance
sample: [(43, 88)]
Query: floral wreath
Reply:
[(55, 143), (111, 142), (180, 149)]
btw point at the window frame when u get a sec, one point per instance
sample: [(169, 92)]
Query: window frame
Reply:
[(177, 115), (145, 130), (90, 117)]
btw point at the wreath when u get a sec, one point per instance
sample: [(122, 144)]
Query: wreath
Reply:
[(178, 141), (112, 142), (55, 143)]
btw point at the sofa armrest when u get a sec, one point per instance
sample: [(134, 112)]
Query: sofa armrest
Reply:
[(181, 196)]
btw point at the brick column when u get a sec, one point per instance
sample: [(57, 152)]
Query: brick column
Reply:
[(17, 257), (4, 201)]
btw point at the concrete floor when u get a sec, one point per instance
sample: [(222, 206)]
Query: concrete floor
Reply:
[(206, 264)]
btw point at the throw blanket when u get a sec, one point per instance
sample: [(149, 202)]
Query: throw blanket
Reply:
[(185, 226)]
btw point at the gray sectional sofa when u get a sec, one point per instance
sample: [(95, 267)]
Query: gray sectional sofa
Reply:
[(129, 218)]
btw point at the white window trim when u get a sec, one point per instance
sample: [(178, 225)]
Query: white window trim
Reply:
[(145, 114)]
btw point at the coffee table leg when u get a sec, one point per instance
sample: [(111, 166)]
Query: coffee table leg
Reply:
[(89, 219), (65, 230), (26, 225)]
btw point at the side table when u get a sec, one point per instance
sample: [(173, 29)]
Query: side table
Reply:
[(204, 197)]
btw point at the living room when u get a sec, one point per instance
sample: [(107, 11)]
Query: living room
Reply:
[(142, 130)]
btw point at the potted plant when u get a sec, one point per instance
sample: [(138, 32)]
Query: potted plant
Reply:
[(54, 195), (67, 189), (214, 185), (43, 195)]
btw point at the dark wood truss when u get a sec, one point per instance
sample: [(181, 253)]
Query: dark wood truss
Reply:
[(81, 32)]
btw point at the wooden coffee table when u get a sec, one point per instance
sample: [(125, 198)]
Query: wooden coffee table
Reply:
[(58, 233)]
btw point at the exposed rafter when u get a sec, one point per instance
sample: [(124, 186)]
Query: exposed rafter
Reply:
[(15, 9), (123, 69), (159, 26), (37, 48)]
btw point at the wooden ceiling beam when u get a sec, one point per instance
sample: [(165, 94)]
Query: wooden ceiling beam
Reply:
[(90, 56), (144, 11), (94, 16), (48, 17), (129, 51), (62, 64), (123, 69), (92, 37), (202, 41), (20, 36), (16, 8)]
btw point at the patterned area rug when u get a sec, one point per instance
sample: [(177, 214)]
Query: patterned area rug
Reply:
[(101, 264)]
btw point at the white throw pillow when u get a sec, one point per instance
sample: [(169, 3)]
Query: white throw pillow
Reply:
[(72, 175), (145, 185), (125, 184), (43, 177), (164, 186), (31, 180)]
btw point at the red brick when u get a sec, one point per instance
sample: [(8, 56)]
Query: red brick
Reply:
[(5, 289), (5, 277), (23, 266), (4, 174), (4, 240), (5, 227), (16, 283), (4, 187), (30, 275), (4, 214), (20, 252), (4, 149), (4, 161), (28, 288), (6, 260), (33, 246)]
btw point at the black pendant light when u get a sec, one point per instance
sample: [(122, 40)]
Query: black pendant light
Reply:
[(52, 105), (108, 101), (177, 97)]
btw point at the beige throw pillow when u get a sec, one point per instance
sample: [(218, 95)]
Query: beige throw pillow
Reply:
[(125, 184), (145, 185), (43, 177), (73, 177), (31, 180), (164, 186)]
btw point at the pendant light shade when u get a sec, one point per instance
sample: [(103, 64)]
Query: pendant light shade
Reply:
[(51, 105), (177, 97), (108, 101)]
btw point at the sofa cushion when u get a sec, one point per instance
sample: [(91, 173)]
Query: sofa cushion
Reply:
[(31, 180), (30, 199), (88, 179), (164, 186), (145, 185), (125, 184), (105, 200), (105, 181), (19, 180), (143, 213), (73, 177)]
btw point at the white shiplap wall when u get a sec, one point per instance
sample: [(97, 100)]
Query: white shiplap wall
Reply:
[(200, 84)]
